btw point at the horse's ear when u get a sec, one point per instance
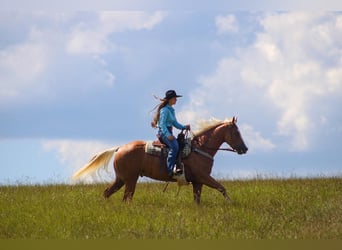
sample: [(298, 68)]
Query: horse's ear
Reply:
[(234, 119)]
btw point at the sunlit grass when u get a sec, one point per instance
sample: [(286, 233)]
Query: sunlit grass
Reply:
[(261, 209)]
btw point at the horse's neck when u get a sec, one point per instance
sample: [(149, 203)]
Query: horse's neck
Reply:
[(211, 140)]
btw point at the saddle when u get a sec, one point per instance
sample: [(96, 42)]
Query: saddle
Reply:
[(157, 148), (159, 144)]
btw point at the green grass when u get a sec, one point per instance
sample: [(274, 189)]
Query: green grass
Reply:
[(261, 209)]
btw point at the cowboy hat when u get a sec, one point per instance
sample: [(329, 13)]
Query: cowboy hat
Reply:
[(171, 94)]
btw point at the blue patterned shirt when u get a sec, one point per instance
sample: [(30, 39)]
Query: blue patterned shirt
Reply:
[(167, 119)]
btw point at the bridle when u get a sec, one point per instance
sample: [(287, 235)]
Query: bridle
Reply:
[(216, 149), (195, 138)]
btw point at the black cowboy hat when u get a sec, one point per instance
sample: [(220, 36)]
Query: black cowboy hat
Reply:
[(170, 94)]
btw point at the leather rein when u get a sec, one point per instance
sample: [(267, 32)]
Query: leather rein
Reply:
[(223, 149)]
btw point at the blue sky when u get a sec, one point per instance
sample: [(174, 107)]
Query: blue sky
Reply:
[(73, 83)]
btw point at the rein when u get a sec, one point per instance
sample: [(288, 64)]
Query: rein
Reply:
[(223, 149), (201, 152)]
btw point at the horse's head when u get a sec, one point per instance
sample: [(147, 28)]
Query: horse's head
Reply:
[(233, 137)]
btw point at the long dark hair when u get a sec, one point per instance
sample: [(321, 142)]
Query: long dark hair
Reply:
[(154, 122)]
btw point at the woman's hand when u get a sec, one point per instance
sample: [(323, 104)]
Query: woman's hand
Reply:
[(171, 137)]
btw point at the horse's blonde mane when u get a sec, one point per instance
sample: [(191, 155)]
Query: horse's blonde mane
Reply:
[(205, 125)]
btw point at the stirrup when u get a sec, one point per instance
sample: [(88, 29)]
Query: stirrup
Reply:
[(178, 169), (179, 175)]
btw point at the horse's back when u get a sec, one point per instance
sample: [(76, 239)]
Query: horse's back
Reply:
[(131, 149)]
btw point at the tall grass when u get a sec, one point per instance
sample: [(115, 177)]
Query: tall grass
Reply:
[(261, 209)]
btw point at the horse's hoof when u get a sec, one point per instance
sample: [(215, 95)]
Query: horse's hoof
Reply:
[(229, 200)]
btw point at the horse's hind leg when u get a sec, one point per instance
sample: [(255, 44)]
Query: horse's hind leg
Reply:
[(118, 183), (129, 189)]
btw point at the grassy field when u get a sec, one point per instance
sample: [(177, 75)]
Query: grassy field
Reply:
[(261, 209)]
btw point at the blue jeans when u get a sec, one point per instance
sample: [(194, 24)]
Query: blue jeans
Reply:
[(173, 153)]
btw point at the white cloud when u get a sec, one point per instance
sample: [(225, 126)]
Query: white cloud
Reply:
[(117, 21), (28, 65), (226, 24), (42, 51), (255, 141), (268, 49), (294, 62), (334, 76), (88, 41), (95, 40), (74, 154), (299, 73), (31, 66), (21, 65)]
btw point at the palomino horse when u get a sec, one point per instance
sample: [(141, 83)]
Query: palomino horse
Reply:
[(131, 161)]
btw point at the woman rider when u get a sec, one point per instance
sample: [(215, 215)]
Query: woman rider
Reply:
[(165, 119)]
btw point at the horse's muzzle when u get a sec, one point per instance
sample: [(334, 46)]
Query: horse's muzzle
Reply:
[(242, 149)]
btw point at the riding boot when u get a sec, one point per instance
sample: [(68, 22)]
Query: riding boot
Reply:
[(179, 167)]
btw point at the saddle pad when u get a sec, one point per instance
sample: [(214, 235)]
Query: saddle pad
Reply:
[(153, 150)]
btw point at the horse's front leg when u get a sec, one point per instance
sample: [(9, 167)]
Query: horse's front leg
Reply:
[(197, 189), (211, 182)]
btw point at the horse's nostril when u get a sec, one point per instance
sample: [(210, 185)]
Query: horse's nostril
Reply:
[(242, 150)]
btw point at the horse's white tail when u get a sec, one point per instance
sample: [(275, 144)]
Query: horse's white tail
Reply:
[(99, 160)]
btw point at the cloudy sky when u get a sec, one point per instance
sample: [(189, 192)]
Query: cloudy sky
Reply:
[(76, 82)]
